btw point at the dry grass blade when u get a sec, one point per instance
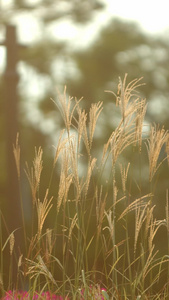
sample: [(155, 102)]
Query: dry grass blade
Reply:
[(43, 209), (153, 228), (167, 147), (110, 226), (157, 139), (124, 174), (73, 223), (66, 174), (20, 260), (16, 151), (81, 126), (74, 168), (39, 267), (129, 130), (149, 215), (125, 93), (122, 137), (94, 113), (155, 266), (49, 239), (64, 185), (38, 165), (141, 111), (149, 262), (140, 217), (167, 212), (60, 146), (1, 282), (119, 141), (11, 243), (82, 130), (89, 174), (100, 208), (140, 202), (64, 106), (10, 239), (34, 173)]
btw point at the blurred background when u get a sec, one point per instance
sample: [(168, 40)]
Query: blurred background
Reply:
[(85, 45)]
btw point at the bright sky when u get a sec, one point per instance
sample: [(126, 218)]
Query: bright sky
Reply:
[(151, 15)]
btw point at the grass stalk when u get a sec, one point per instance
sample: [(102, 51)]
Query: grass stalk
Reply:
[(95, 224)]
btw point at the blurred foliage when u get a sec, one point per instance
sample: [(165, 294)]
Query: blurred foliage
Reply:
[(122, 48), (49, 10)]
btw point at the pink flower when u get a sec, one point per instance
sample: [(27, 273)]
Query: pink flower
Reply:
[(94, 292), (23, 295)]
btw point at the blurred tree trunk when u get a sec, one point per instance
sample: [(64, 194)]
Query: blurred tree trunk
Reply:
[(11, 115)]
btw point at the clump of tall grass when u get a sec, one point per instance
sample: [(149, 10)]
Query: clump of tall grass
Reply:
[(91, 238)]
